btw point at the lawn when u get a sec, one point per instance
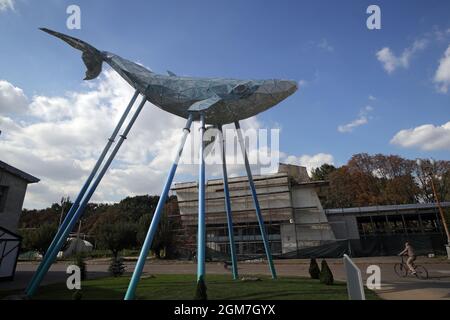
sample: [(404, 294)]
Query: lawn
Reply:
[(174, 287)]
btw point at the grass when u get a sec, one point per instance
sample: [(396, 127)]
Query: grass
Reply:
[(182, 287)]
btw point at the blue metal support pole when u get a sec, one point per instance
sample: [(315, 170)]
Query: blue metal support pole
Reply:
[(226, 192), (201, 236), (156, 216), (255, 201), (52, 254), (82, 192)]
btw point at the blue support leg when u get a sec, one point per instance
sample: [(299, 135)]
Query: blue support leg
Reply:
[(226, 192), (83, 190), (201, 237), (156, 217), (53, 253), (256, 202)]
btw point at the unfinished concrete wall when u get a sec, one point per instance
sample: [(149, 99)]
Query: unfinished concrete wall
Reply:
[(311, 224), (344, 227), (12, 201), (288, 238)]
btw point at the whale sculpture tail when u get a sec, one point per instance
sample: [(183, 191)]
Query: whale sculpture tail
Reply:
[(92, 57)]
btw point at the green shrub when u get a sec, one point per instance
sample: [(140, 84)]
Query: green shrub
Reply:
[(326, 276), (200, 291), (314, 270), (77, 295), (117, 268), (79, 261)]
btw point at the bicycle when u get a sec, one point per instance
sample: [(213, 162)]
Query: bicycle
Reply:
[(402, 270)]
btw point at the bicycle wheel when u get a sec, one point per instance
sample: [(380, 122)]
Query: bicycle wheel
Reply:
[(400, 270), (421, 272)]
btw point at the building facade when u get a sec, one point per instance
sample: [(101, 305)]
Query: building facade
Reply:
[(296, 223), (379, 230), (292, 212), (13, 186)]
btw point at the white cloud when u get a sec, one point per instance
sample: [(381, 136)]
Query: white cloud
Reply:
[(427, 137), (12, 99), (324, 45), (391, 62), (310, 161), (442, 75), (65, 135), (6, 5), (372, 98), (440, 34), (361, 120)]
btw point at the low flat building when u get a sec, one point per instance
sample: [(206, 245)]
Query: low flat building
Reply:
[(379, 229), (292, 212)]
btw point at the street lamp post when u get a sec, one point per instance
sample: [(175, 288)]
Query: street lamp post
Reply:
[(438, 204)]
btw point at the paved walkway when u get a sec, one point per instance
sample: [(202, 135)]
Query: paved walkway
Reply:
[(393, 287)]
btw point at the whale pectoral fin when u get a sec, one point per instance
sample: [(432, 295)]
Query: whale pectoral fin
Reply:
[(170, 73), (203, 105)]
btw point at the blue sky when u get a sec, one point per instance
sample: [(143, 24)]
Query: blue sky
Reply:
[(323, 44)]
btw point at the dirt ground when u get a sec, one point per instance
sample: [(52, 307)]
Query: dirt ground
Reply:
[(392, 287)]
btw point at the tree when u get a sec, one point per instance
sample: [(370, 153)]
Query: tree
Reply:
[(138, 206), (368, 180), (314, 270), (326, 276), (116, 236), (439, 171), (321, 173), (39, 239), (117, 267), (164, 238), (79, 261)]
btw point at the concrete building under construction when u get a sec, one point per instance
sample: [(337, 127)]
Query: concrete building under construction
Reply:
[(293, 215)]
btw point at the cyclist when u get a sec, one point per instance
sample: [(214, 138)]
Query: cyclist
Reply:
[(409, 251)]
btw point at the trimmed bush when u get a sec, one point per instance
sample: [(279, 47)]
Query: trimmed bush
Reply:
[(79, 261), (77, 295), (117, 268), (200, 291), (314, 270), (326, 276)]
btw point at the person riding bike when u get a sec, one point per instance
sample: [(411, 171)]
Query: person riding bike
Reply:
[(409, 251)]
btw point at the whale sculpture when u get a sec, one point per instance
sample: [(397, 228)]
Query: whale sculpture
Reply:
[(211, 101), (221, 101)]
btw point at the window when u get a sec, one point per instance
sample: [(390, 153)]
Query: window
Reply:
[(396, 224), (381, 225), (430, 222), (412, 223), (3, 194), (365, 226)]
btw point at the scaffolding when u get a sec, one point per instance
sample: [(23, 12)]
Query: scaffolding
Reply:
[(280, 197)]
